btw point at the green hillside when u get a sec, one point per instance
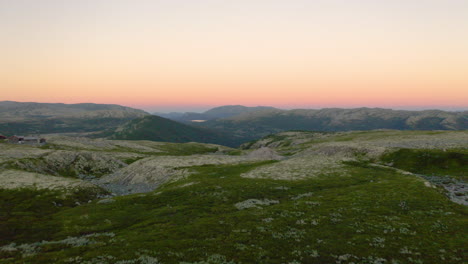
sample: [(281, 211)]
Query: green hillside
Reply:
[(156, 128), (347, 197), (41, 118), (256, 124)]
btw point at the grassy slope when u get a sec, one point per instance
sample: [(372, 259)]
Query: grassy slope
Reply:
[(25, 214), (370, 214), (431, 162), (367, 215), (161, 129)]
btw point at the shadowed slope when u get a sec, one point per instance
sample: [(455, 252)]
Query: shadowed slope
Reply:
[(156, 128)]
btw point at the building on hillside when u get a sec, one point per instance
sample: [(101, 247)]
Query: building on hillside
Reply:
[(15, 139), (2, 137), (31, 140)]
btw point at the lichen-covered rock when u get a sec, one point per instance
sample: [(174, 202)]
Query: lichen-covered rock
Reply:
[(12, 179), (106, 200), (264, 153), (71, 163), (321, 156), (254, 203), (146, 174), (84, 143)]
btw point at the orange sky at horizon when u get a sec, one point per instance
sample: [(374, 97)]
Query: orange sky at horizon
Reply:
[(180, 53)]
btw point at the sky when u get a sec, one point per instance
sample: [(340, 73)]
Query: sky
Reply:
[(189, 55)]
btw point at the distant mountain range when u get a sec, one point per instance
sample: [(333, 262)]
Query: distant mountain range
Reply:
[(255, 124), (31, 118), (241, 124), (227, 125), (214, 113)]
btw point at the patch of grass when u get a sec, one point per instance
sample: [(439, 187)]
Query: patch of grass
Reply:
[(26, 214), (48, 146), (186, 149), (234, 152), (430, 162), (131, 160)]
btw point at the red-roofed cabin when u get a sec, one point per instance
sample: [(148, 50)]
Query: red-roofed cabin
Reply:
[(15, 139)]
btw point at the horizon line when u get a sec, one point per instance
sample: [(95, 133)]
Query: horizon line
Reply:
[(184, 108)]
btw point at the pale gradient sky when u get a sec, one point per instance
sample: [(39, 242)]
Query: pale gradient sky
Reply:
[(189, 54)]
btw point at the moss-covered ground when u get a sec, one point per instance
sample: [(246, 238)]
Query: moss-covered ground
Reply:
[(431, 162), (371, 215), (369, 211)]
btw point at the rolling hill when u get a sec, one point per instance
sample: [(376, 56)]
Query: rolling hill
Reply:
[(19, 111), (255, 124), (33, 118), (157, 128)]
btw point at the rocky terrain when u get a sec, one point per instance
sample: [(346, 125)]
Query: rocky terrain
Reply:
[(13, 179), (124, 167), (119, 166), (293, 197), (313, 154)]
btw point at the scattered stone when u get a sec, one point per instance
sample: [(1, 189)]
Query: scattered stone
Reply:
[(254, 203), (106, 201)]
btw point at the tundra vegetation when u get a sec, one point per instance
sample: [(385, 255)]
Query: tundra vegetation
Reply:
[(294, 197)]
